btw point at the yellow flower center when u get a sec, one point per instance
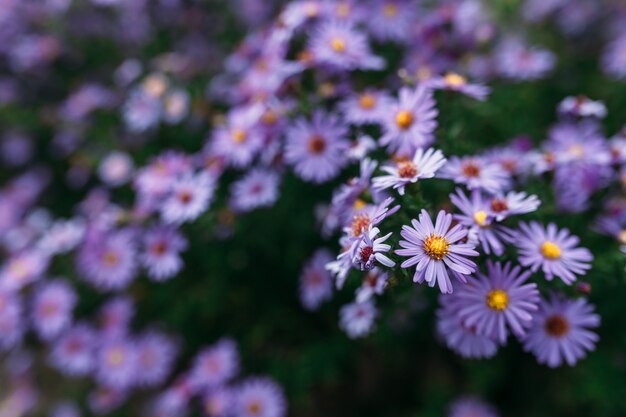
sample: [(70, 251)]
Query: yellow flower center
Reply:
[(480, 217), (338, 44), (343, 10), (359, 204), (455, 80), (423, 73), (497, 300), (436, 246), (404, 119), (367, 101), (550, 250), (19, 269), (576, 150), (115, 357), (239, 135), (390, 10)]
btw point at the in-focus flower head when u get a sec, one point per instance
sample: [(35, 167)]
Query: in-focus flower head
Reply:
[(371, 250), (435, 249), (562, 331), (555, 251)]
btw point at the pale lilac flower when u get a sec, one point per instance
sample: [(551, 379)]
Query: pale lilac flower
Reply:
[(259, 397), (141, 111), (53, 303), (188, 198), (74, 352), (374, 283), (12, 326), (513, 203), (476, 172), (155, 354), (366, 107), (518, 61), (456, 82), (241, 139), (22, 269), (582, 106), (357, 319), (614, 58), (161, 253), (258, 188), (116, 169), (471, 407), (424, 164), (392, 20), (115, 315), (316, 284), (116, 363), (371, 250), (62, 236), (216, 365)]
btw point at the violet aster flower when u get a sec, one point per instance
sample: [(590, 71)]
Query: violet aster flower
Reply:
[(215, 365), (562, 331), (340, 267), (108, 259), (374, 282), (456, 82), (434, 249), (392, 20), (219, 402), (115, 315), (104, 399), (23, 268), (259, 397), (74, 352), (371, 249), (366, 107), (258, 188), (316, 285), (410, 121), (459, 337), (339, 45), (554, 251), (518, 61), (357, 319), (188, 198), (498, 301), (241, 139), (578, 143), (53, 303), (155, 353), (115, 169), (62, 236), (424, 164), (116, 362), (476, 172), (614, 58), (513, 203), (477, 216), (316, 149), (582, 106), (65, 409), (161, 253), (142, 111), (11, 322), (471, 407)]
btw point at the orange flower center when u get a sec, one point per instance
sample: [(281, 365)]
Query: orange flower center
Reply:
[(557, 326)]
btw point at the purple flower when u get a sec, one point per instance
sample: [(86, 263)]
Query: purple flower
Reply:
[(357, 319), (392, 20), (581, 106), (316, 284), (219, 402), (104, 399), (423, 165), (339, 45), (155, 355), (410, 121), (115, 315), (317, 149), (74, 352), (512, 203), (552, 250), (241, 139), (53, 303), (12, 326), (161, 253), (498, 301), (614, 58), (434, 249), (471, 407), (374, 282), (518, 61), (258, 188), (22, 269), (476, 172), (562, 332), (65, 409), (116, 362), (108, 259), (366, 107), (188, 198), (578, 143), (260, 397), (455, 82), (371, 249), (142, 111), (115, 169), (459, 337), (215, 365)]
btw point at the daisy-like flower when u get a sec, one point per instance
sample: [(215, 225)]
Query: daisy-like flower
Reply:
[(115, 315), (366, 107), (259, 397), (459, 337), (116, 363), (357, 319), (513, 203), (554, 251), (316, 285), (155, 353), (108, 259), (477, 216), (518, 61), (471, 407), (498, 301), (258, 188), (371, 249), (391, 20), (338, 44), (374, 283), (614, 58), (408, 171), (115, 169), (62, 236), (215, 365), (188, 198), (582, 106), (175, 106), (219, 402), (562, 331), (161, 253), (476, 172), (141, 111), (410, 121), (316, 149), (22, 269), (242, 138), (11, 322), (434, 249), (74, 352), (53, 303), (456, 82)]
